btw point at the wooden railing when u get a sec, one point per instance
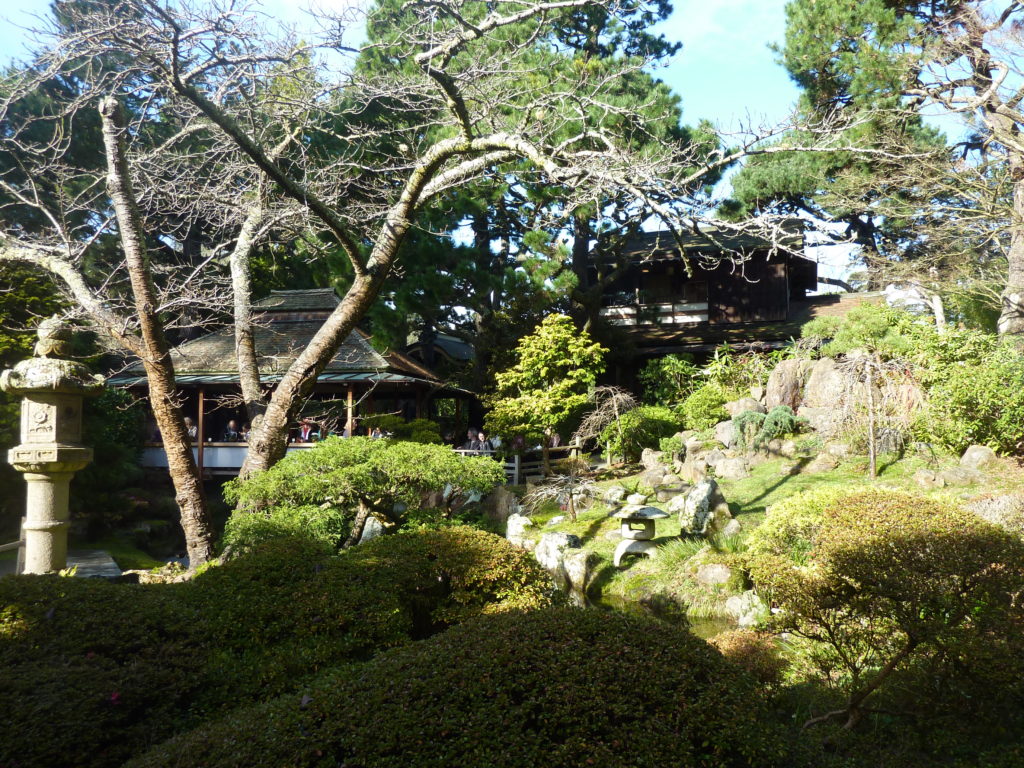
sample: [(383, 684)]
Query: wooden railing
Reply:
[(519, 468), (18, 545)]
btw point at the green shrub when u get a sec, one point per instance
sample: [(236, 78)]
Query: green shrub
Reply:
[(640, 428), (791, 525), (669, 379), (906, 601), (554, 688), (703, 409), (748, 425), (980, 403), (779, 422), (672, 446), (328, 524), (416, 431), (118, 667), (323, 486)]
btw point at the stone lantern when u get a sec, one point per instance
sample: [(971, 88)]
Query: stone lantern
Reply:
[(50, 452), (637, 541)]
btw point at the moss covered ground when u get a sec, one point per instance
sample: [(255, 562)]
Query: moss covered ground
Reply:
[(665, 584)]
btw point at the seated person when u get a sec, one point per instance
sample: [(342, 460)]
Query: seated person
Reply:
[(244, 434), (191, 429), (472, 440), (307, 432), (231, 433), (483, 444)]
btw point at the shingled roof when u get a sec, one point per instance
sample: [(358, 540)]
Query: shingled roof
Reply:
[(285, 323), (664, 245)]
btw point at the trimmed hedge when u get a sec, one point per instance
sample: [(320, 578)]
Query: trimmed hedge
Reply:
[(95, 671), (553, 688)]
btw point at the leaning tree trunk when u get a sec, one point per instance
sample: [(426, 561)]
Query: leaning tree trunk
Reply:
[(245, 346), (1011, 317), (268, 441), (156, 355)]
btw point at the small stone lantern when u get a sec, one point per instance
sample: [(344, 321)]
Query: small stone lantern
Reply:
[(51, 431), (637, 541)]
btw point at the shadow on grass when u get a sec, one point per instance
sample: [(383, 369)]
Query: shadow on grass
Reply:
[(748, 507)]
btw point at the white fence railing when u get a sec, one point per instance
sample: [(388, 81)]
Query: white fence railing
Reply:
[(519, 468), (672, 313), (18, 545)]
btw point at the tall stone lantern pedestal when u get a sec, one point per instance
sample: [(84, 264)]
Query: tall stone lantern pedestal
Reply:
[(50, 452)]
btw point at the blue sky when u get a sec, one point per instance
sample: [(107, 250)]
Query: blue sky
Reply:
[(724, 71)]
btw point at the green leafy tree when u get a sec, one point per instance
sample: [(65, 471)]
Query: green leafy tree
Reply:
[(339, 483), (555, 367), (882, 63)]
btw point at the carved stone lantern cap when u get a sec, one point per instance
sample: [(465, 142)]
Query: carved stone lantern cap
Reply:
[(45, 374), (639, 513)]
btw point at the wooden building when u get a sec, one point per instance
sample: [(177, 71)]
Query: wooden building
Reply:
[(752, 296), (359, 380)]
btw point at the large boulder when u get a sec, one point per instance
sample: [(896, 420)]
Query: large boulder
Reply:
[(499, 505), (747, 609), (732, 469), (651, 459), (928, 480), (979, 457), (614, 495), (826, 393), (550, 550), (736, 407), (655, 476), (827, 385), (576, 567), (961, 476), (713, 574), (517, 531), (786, 383), (637, 498), (726, 434), (371, 530), (702, 511)]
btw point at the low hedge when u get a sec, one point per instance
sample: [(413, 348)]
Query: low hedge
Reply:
[(553, 688), (96, 671)]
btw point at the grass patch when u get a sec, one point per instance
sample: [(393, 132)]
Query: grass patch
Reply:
[(127, 556)]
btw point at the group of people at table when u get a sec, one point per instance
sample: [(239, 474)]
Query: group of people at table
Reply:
[(309, 432), (305, 432)]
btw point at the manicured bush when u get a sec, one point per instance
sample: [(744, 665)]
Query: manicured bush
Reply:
[(318, 490), (904, 599), (755, 652), (95, 671), (703, 409), (791, 525), (329, 524), (554, 688), (640, 428)]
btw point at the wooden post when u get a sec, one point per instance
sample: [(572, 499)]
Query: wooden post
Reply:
[(349, 415), (419, 403), (201, 431)]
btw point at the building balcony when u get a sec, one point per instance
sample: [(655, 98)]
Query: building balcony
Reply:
[(218, 458), (672, 313)]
